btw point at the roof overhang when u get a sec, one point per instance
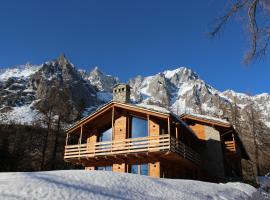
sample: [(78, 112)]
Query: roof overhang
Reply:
[(112, 104), (205, 120)]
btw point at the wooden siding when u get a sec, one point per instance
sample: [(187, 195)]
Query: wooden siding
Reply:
[(119, 167), (154, 169), (199, 130), (120, 128), (154, 128), (89, 168)]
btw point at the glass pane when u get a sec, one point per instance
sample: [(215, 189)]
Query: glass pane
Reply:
[(144, 169), (108, 168), (139, 127), (134, 169), (104, 168), (106, 135), (100, 168)]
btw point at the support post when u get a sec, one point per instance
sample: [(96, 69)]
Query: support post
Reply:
[(169, 126), (113, 122), (80, 140), (148, 125), (67, 137), (169, 132)]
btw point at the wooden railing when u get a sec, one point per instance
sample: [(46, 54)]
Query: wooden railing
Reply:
[(184, 150), (132, 145), (230, 146)]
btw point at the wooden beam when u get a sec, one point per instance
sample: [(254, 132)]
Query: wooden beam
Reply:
[(142, 110), (230, 131), (113, 122), (169, 126), (80, 139), (176, 132), (67, 137), (148, 125), (207, 121), (90, 117)]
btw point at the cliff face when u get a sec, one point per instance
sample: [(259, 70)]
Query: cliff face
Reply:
[(26, 92)]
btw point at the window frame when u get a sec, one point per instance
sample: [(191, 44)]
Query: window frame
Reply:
[(130, 125)]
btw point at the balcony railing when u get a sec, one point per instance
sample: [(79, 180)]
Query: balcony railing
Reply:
[(132, 145), (231, 148)]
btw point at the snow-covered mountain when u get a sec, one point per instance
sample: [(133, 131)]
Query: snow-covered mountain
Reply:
[(29, 92), (180, 90)]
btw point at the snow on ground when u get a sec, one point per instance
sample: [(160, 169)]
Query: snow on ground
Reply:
[(80, 184)]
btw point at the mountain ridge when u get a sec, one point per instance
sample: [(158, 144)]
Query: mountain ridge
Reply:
[(28, 93)]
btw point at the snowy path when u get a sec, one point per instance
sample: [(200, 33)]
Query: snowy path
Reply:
[(80, 184)]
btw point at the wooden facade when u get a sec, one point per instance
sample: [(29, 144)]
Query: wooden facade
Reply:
[(168, 142), (169, 147)]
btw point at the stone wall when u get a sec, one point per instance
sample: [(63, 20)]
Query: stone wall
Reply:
[(212, 155)]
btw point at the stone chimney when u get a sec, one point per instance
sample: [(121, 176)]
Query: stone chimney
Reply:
[(121, 93)]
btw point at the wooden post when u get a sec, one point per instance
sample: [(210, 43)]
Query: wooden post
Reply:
[(80, 140), (169, 132), (113, 123), (169, 126), (148, 124), (67, 139), (176, 132)]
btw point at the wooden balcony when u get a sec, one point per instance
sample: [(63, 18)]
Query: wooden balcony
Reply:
[(129, 146)]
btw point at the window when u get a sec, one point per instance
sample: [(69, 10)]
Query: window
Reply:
[(140, 169), (105, 135), (104, 168), (134, 169), (144, 169), (139, 127)]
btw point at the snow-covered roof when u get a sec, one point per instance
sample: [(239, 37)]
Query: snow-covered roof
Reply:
[(153, 107), (207, 117)]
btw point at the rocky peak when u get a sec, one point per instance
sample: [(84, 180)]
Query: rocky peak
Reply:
[(62, 60), (181, 74), (101, 81)]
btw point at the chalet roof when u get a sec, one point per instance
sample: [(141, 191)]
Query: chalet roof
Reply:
[(142, 107), (207, 119), (218, 122)]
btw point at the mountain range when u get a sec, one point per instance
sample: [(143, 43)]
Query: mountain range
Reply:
[(180, 90), (25, 92)]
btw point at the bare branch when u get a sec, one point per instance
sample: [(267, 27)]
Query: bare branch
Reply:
[(221, 22)]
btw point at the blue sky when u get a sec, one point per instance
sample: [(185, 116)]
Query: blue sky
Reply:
[(127, 38)]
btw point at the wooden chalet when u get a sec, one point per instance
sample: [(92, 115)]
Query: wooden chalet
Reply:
[(147, 140)]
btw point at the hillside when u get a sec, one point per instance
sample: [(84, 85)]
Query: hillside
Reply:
[(108, 185), (29, 92)]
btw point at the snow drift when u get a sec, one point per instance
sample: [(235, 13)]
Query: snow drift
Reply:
[(80, 184)]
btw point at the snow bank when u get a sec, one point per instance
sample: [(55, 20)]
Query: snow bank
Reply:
[(80, 184)]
